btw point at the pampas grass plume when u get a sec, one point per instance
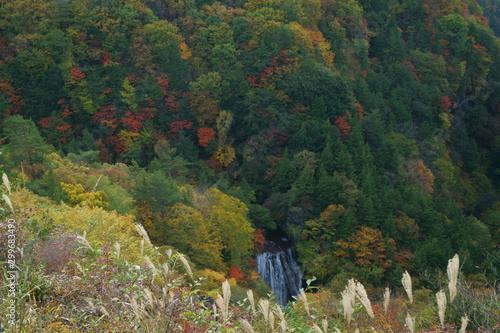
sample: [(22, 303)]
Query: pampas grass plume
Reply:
[(8, 202), (83, 240), (363, 297), (247, 326), (251, 299), (264, 309), (316, 329), (465, 321), (441, 302), (186, 265), (347, 298), (151, 265), (144, 234), (118, 250), (452, 270), (325, 325), (406, 280), (387, 298), (6, 182), (303, 298), (223, 301), (281, 316), (410, 322)]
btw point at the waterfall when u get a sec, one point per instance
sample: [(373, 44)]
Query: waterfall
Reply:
[(281, 273)]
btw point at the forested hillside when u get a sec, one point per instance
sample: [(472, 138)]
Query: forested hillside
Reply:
[(368, 131)]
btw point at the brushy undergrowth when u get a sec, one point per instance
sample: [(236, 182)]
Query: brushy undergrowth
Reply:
[(77, 279)]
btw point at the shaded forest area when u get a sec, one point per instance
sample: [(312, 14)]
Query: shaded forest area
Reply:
[(366, 130)]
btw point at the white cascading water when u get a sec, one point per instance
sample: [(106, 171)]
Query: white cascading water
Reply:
[(281, 273)]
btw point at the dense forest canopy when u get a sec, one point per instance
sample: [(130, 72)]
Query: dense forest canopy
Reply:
[(368, 131)]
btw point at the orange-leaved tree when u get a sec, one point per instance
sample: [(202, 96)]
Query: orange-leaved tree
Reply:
[(365, 253)]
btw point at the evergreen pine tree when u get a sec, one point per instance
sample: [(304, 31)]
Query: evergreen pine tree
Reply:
[(284, 174), (327, 189), (305, 183), (24, 143)]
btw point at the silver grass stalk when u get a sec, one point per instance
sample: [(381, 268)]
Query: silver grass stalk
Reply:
[(281, 316), (441, 301), (351, 287), (144, 234), (452, 270), (166, 269), (142, 247), (6, 182), (406, 280), (118, 250), (226, 290), (96, 184), (387, 298), (316, 329), (337, 330), (251, 300), (169, 253), (135, 307), (148, 295), (223, 301), (303, 298), (80, 268), (347, 303), (103, 310), (465, 322), (247, 326), (8, 202), (186, 265), (83, 240), (410, 322), (151, 265), (271, 321), (264, 309), (363, 297), (324, 323), (220, 303), (356, 330)]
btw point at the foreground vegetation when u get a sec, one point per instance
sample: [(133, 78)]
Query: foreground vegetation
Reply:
[(98, 272)]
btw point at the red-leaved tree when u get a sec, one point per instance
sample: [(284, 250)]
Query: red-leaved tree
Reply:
[(205, 135)]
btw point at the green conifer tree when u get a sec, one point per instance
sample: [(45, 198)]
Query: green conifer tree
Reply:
[(24, 143)]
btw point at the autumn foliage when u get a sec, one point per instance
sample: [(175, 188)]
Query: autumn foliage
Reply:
[(345, 123), (419, 173), (366, 247), (343, 126), (15, 100), (177, 126), (77, 74), (235, 273), (445, 103), (259, 239), (205, 135), (133, 121)]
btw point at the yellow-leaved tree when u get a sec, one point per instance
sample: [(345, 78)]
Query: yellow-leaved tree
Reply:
[(227, 217), (78, 195), (186, 229)]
